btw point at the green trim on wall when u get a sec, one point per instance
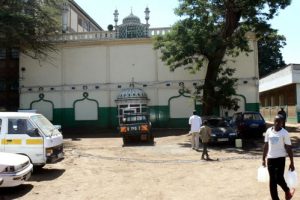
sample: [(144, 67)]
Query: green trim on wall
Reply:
[(107, 116), (181, 94), (85, 97), (66, 117), (41, 98)]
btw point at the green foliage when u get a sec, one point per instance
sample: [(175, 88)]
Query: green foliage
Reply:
[(29, 25), (269, 54), (207, 32)]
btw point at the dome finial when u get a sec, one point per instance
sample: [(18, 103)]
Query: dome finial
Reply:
[(132, 83)]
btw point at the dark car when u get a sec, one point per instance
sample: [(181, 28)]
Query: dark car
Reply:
[(248, 124), (136, 127), (221, 131)]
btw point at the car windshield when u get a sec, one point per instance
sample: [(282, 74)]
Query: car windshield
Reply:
[(134, 119), (217, 123), (45, 125), (252, 116)]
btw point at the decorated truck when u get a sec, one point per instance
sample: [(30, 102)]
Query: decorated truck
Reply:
[(136, 126)]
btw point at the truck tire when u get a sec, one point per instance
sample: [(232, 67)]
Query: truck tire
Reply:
[(151, 139), (125, 140)]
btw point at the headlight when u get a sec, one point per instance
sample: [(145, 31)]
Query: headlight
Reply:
[(49, 152), (213, 135), (9, 169), (232, 134), (18, 167)]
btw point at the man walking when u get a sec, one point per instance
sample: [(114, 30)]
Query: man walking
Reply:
[(195, 123), (277, 146), (205, 133)]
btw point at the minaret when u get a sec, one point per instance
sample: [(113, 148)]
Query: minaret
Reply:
[(147, 17), (116, 14)]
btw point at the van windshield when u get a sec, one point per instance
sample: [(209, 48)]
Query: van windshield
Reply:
[(45, 125)]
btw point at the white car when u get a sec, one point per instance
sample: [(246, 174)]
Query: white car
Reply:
[(14, 169)]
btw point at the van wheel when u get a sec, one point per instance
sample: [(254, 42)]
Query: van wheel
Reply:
[(38, 167)]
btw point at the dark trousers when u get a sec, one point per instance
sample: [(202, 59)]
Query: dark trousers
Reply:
[(276, 171), (204, 152)]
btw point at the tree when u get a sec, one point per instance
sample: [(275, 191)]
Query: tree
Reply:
[(29, 25), (110, 27), (209, 30), (269, 54)]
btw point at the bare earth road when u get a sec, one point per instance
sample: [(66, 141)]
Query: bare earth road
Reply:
[(100, 168)]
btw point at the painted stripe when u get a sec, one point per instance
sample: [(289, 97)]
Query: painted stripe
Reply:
[(11, 141), (34, 141)]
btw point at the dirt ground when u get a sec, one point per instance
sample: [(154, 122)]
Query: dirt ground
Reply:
[(97, 166)]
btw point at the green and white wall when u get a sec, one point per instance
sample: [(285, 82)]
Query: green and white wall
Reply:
[(78, 85)]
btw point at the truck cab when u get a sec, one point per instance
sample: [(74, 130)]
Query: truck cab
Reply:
[(32, 135)]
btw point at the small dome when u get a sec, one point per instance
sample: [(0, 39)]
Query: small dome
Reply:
[(131, 19), (132, 93)]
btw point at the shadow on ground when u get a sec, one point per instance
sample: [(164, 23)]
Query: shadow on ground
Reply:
[(15, 192), (45, 174)]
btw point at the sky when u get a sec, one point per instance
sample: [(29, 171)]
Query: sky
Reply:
[(162, 15)]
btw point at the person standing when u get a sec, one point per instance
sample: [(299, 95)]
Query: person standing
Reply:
[(205, 132), (195, 123), (283, 113), (277, 145)]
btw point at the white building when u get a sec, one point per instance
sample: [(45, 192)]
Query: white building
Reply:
[(80, 84), (281, 89)]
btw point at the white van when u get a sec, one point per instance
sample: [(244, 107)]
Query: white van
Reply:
[(30, 134)]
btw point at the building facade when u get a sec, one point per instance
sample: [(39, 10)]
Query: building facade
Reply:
[(81, 83), (281, 89), (74, 19)]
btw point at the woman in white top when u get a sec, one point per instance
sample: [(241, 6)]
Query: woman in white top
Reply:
[(277, 146)]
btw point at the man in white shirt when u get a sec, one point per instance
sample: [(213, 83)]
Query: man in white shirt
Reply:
[(195, 123), (277, 146)]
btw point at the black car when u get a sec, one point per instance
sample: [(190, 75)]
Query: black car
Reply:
[(248, 124), (221, 131)]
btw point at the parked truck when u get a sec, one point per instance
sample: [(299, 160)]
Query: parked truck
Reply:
[(136, 126)]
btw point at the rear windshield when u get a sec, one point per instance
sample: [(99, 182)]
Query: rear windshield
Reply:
[(134, 119), (217, 123), (252, 116)]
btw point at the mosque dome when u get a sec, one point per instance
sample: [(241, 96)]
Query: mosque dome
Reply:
[(131, 19), (132, 28), (132, 94)]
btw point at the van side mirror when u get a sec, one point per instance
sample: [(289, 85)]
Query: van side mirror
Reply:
[(33, 132), (58, 127)]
